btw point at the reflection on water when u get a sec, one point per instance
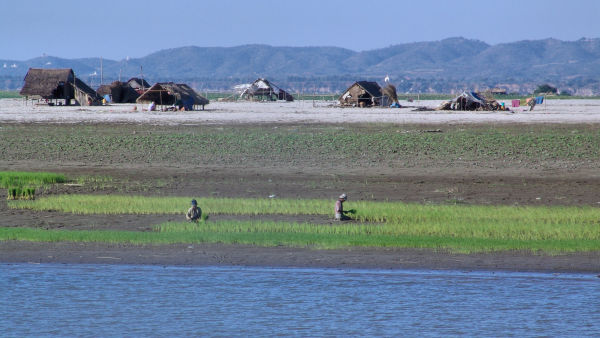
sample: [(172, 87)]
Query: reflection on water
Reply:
[(108, 300)]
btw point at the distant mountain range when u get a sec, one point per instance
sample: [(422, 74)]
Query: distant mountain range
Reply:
[(438, 66)]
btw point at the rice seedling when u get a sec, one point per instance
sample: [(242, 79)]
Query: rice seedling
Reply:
[(21, 185), (482, 231), (23, 178), (365, 211), (303, 235), (21, 193), (504, 223), (122, 204)]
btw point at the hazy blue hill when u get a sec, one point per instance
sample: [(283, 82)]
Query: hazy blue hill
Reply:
[(428, 57), (540, 58), (445, 64), (245, 60)]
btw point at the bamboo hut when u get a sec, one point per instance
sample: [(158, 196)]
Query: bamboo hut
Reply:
[(470, 100), (263, 89), (173, 94), (362, 94), (58, 84), (139, 85), (390, 96), (119, 92)]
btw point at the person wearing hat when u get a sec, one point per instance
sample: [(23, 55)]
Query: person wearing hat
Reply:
[(339, 208), (194, 213)]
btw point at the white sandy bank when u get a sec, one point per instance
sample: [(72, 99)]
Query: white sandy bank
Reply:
[(554, 111)]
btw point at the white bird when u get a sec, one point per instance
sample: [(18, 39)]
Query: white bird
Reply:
[(387, 79)]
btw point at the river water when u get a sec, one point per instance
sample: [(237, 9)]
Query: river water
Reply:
[(135, 300)]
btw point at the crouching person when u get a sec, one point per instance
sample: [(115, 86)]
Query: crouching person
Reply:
[(194, 213), (340, 214)]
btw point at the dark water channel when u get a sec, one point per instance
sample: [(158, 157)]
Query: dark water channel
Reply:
[(130, 300)]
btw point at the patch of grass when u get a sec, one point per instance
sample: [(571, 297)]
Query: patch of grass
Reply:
[(93, 179), (456, 227), (368, 211), (507, 231), (9, 94), (25, 178), (302, 239), (19, 193), (127, 204), (21, 185)]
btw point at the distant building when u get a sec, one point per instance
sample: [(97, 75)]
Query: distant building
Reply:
[(169, 93), (140, 85), (263, 89), (119, 92), (498, 91), (58, 84), (362, 94)]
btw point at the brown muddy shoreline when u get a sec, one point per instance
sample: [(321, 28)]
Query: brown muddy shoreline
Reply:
[(243, 255)]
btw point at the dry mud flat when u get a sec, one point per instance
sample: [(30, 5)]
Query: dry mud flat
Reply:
[(553, 111), (242, 255)]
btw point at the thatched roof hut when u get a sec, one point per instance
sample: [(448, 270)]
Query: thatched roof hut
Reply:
[(264, 89), (119, 92), (169, 93), (53, 84), (362, 94), (390, 95), (140, 85), (470, 100)]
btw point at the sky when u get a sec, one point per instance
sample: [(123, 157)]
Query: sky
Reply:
[(120, 29)]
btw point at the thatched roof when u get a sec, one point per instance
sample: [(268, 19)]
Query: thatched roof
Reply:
[(44, 82), (104, 89), (82, 86), (120, 92), (362, 93), (137, 83), (263, 87), (470, 100), (56, 84), (390, 91), (168, 93), (370, 87)]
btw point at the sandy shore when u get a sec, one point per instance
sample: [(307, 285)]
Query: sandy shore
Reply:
[(230, 255), (554, 111)]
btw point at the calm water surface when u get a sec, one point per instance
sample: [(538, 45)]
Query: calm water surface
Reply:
[(130, 300)]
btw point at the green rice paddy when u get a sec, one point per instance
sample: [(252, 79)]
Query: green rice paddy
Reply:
[(24, 178), (458, 228), (22, 185)]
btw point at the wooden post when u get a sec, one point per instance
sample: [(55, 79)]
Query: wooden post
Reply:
[(142, 75), (101, 74)]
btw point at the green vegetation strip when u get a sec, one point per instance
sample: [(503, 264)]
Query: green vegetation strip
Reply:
[(454, 227), (24, 178), (313, 240), (369, 211), (9, 94)]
